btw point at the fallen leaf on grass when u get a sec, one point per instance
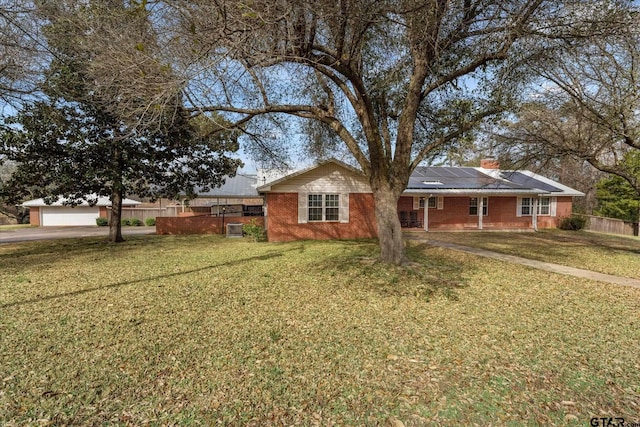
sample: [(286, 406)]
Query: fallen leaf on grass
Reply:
[(394, 422)]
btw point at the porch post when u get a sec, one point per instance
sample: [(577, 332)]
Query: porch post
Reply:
[(426, 213), (534, 214), (480, 209)]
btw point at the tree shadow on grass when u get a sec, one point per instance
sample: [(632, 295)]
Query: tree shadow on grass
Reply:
[(45, 252), (267, 256), (429, 273), (582, 238), (548, 244)]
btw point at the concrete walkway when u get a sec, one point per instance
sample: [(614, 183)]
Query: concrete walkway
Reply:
[(546, 266)]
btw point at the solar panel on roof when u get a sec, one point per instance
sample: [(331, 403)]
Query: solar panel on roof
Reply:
[(457, 178), (527, 181)]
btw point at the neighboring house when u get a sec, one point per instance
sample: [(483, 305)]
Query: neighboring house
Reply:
[(59, 214), (334, 201)]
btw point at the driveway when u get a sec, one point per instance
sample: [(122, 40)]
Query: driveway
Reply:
[(50, 233)]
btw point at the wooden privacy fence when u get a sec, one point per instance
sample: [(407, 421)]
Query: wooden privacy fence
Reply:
[(144, 213), (611, 226)]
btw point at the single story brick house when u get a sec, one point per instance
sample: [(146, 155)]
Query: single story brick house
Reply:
[(60, 214), (333, 200)]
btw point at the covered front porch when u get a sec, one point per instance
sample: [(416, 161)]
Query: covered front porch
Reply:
[(477, 211)]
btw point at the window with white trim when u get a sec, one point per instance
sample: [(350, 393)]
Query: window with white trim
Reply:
[(324, 207), (544, 205), (432, 202), (473, 206), (526, 206)]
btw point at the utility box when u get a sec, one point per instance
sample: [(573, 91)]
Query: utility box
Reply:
[(234, 230)]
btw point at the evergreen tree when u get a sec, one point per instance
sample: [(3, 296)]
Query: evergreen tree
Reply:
[(617, 198), (75, 143)]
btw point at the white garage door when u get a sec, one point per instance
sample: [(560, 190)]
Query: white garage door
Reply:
[(65, 215)]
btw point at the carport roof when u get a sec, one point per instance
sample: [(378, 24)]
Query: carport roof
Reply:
[(239, 186)]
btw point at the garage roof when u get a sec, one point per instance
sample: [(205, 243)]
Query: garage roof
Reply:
[(101, 201)]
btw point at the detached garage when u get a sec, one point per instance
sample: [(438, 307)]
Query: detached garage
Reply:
[(58, 214)]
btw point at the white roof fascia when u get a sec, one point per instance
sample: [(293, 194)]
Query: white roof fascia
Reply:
[(564, 190)]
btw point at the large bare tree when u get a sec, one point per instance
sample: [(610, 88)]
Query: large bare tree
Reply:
[(21, 48), (394, 81), (588, 107)]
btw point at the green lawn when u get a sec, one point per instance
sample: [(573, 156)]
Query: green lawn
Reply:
[(201, 330), (617, 255)]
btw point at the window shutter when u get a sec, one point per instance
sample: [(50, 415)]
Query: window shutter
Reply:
[(344, 207), (416, 203), (440, 202), (519, 207), (552, 206), (303, 211)]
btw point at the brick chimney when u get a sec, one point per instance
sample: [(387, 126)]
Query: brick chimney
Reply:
[(489, 164)]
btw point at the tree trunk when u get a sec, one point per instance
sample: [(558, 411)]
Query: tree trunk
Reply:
[(389, 231), (115, 223)]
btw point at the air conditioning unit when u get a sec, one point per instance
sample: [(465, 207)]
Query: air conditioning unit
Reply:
[(234, 230)]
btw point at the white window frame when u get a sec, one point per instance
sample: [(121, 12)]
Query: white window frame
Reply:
[(434, 202), (485, 206), (342, 204), (324, 206), (545, 206), (526, 203)]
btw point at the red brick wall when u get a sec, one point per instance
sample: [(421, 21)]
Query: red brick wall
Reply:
[(406, 204), (34, 216), (282, 217), (564, 207), (282, 220), (199, 224)]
